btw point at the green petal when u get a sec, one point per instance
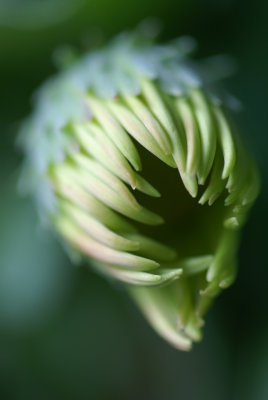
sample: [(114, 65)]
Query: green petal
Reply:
[(116, 133), (108, 195), (158, 277), (69, 189), (225, 255), (96, 229), (192, 135), (153, 126), (226, 141), (92, 248), (216, 184), (161, 314), (189, 323), (105, 176), (161, 111), (152, 248), (207, 133), (138, 131), (99, 146), (195, 265)]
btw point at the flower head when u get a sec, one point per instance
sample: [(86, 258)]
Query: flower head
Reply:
[(135, 163)]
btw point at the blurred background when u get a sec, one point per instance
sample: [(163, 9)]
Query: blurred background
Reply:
[(66, 333)]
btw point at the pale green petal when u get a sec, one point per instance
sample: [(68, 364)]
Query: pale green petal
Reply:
[(190, 183), (226, 141), (192, 135), (195, 265), (90, 247), (161, 111), (116, 133), (152, 248), (238, 175), (138, 130), (158, 277), (188, 321), (98, 145), (162, 315), (216, 184), (207, 131), (225, 255), (144, 186), (96, 229), (153, 126), (105, 176), (70, 190), (107, 195)]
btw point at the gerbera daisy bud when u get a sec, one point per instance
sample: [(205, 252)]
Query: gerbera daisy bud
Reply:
[(135, 163)]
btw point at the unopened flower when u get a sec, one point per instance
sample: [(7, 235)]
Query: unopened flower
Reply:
[(135, 163)]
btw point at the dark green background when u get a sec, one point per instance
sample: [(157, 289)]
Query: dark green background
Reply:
[(66, 333)]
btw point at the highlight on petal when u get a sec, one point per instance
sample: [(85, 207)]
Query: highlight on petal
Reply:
[(150, 122), (226, 141), (207, 133), (87, 245), (97, 230), (160, 109), (192, 135), (117, 134), (158, 277), (139, 132)]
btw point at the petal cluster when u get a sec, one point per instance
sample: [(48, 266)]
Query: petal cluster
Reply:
[(94, 128)]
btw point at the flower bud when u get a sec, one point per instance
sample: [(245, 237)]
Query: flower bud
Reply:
[(135, 163)]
